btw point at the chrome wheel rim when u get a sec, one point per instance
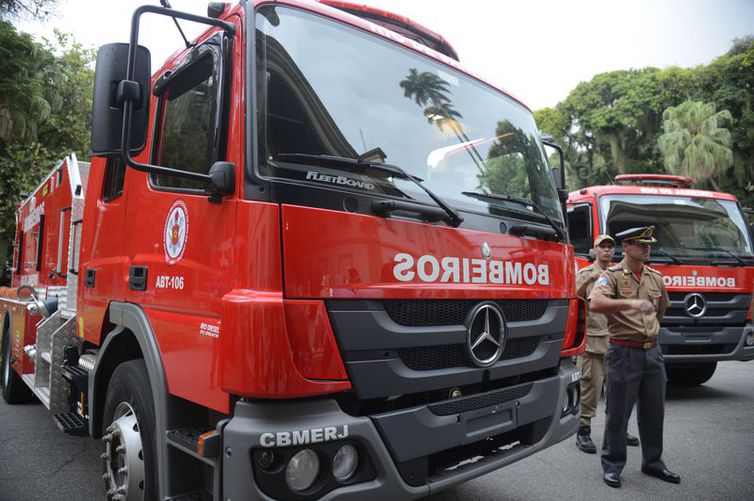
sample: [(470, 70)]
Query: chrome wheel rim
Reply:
[(124, 456)]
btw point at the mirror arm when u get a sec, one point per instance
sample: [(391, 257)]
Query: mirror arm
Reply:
[(562, 160), (129, 95), (562, 190)]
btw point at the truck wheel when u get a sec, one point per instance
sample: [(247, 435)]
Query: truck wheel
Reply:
[(129, 436), (690, 374), (15, 390)]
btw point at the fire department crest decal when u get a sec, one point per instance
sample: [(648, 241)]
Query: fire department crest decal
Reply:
[(176, 232)]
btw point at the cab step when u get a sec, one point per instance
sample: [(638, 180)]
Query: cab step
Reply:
[(192, 496), (75, 374), (72, 424), (186, 437), (204, 445)]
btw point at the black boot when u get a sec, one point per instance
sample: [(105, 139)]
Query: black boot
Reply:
[(584, 441), (632, 440)]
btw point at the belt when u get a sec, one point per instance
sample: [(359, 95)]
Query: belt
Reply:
[(634, 344)]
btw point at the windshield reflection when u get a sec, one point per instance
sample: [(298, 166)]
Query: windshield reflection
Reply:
[(328, 89), (684, 226)]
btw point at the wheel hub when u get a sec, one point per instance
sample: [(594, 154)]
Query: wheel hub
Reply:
[(123, 456)]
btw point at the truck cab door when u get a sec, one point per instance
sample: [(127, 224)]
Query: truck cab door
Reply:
[(181, 242), (580, 228)]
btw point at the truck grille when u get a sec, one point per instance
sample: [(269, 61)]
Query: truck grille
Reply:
[(723, 309), (478, 402), (426, 358), (428, 312)]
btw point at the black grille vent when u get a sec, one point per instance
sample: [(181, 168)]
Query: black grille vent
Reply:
[(704, 349), (419, 312), (709, 296), (427, 358), (480, 401)]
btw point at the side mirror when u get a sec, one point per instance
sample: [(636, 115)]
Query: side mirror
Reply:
[(222, 180), (111, 89), (26, 293)]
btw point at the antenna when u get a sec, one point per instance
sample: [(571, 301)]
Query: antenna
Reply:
[(166, 4)]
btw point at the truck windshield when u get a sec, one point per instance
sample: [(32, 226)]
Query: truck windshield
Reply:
[(324, 88), (685, 227)]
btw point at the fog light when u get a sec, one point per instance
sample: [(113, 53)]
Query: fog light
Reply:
[(266, 459), (750, 339), (302, 470), (345, 462)]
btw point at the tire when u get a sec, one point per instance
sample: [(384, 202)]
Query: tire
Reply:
[(128, 401), (687, 375), (15, 390)]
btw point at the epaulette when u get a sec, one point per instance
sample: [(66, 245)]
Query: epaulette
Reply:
[(652, 270), (615, 268), (585, 268)]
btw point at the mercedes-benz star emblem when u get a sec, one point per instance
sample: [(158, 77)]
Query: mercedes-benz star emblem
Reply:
[(695, 305), (486, 250), (485, 334)]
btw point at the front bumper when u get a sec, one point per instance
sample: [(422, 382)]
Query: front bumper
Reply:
[(395, 439), (718, 343)]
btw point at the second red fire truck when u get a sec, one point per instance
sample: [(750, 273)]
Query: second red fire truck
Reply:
[(704, 251)]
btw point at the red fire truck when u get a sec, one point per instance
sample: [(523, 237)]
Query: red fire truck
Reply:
[(311, 258), (704, 251)]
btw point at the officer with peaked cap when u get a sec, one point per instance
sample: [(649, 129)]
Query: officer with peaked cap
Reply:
[(592, 361), (634, 299)]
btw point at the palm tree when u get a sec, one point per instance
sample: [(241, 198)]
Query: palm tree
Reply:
[(695, 142), (425, 87), (428, 88)]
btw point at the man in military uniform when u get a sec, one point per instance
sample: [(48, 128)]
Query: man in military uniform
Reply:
[(592, 361), (634, 299)]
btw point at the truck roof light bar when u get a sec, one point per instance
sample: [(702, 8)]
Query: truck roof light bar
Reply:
[(656, 179), (400, 24)]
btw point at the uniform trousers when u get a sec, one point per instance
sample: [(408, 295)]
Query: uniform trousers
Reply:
[(592, 367), (634, 376)]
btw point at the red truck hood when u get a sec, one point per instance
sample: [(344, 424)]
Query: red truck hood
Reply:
[(330, 254)]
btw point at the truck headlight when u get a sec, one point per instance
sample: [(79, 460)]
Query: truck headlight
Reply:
[(345, 462), (302, 470)]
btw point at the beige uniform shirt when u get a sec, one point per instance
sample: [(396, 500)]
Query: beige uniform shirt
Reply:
[(596, 323), (619, 282)]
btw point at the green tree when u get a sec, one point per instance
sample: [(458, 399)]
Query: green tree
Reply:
[(45, 114), (695, 142), (26, 8), (611, 124)]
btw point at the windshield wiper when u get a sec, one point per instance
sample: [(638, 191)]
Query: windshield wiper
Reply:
[(520, 201), (664, 253), (453, 218), (720, 249)]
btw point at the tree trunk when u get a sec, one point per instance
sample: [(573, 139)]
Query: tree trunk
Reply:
[(616, 151)]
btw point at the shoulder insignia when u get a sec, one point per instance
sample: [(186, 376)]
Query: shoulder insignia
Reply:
[(615, 268), (652, 270), (582, 270), (602, 281)]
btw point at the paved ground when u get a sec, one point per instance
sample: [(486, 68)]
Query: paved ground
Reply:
[(709, 441)]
